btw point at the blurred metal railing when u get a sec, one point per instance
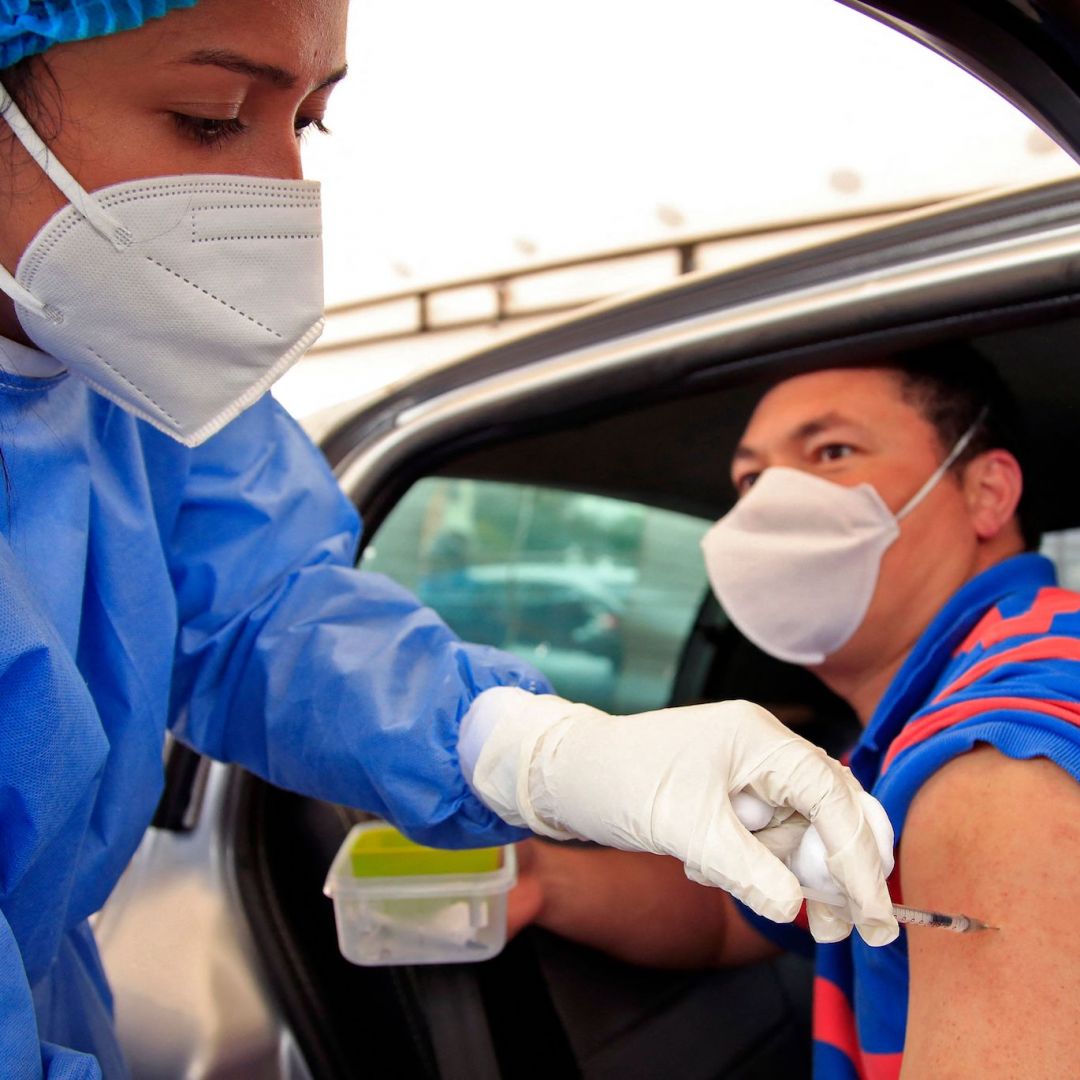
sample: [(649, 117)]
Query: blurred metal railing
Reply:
[(562, 285)]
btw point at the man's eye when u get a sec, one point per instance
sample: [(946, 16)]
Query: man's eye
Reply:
[(745, 482), (835, 451)]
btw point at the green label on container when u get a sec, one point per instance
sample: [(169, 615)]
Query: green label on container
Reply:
[(386, 853)]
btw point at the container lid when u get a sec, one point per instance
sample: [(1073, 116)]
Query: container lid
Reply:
[(383, 852)]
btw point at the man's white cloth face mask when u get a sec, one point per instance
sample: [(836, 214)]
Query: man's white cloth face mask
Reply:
[(795, 563), (180, 298)]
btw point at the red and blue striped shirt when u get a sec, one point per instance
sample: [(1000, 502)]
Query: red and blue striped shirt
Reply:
[(1000, 665)]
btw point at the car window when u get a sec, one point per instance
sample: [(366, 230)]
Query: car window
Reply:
[(1064, 548), (599, 593)]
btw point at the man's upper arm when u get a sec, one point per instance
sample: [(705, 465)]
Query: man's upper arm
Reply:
[(998, 839)]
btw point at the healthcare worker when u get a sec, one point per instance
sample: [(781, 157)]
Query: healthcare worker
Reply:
[(174, 554)]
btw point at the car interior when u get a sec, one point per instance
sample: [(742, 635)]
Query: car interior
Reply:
[(547, 1006)]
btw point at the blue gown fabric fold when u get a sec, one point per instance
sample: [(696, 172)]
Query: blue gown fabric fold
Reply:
[(145, 587)]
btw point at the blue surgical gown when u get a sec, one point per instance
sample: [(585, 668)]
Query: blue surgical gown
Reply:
[(144, 587)]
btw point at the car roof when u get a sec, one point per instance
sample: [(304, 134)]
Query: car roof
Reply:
[(567, 407), (924, 233)]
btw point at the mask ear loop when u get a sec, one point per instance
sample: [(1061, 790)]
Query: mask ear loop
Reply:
[(102, 221), (943, 468)]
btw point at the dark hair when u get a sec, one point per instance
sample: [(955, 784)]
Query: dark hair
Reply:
[(33, 87), (952, 386)]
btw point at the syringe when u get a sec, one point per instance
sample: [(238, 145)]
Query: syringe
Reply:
[(959, 924), (808, 863), (911, 916)]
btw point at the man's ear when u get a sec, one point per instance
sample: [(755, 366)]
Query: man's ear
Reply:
[(993, 484)]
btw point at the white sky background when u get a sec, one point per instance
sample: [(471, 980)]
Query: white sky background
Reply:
[(474, 135)]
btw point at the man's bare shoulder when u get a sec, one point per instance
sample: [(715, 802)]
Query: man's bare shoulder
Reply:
[(999, 839)]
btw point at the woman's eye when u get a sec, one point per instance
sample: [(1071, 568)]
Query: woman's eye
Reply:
[(305, 123), (209, 130)]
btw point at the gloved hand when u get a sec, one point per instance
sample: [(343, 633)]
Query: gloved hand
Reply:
[(798, 845), (663, 782)]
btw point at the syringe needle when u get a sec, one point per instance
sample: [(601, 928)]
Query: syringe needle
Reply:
[(959, 924)]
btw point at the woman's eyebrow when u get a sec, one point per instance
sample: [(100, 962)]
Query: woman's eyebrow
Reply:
[(244, 65)]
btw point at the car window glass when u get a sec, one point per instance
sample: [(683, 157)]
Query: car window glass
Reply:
[(1064, 548), (598, 593)]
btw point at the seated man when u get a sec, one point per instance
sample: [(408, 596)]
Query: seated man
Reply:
[(907, 582)]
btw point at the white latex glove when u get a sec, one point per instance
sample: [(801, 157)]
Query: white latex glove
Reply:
[(663, 781), (799, 846)]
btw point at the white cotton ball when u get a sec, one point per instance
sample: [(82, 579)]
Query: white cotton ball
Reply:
[(808, 862), (808, 865), (753, 812)]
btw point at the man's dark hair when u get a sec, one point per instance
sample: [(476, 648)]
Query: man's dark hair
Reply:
[(951, 386)]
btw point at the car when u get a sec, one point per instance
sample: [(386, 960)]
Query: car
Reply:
[(218, 941)]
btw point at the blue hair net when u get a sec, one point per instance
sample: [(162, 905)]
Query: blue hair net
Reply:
[(32, 26)]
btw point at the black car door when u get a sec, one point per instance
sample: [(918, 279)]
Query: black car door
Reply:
[(1026, 50)]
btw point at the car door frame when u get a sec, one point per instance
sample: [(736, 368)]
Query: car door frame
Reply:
[(1025, 52)]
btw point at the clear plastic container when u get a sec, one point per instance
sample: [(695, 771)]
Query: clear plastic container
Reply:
[(397, 902)]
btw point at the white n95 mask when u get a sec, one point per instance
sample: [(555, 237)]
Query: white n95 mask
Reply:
[(795, 562), (180, 298)]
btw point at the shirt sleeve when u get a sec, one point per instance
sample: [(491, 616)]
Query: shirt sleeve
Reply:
[(291, 662), (1036, 717)]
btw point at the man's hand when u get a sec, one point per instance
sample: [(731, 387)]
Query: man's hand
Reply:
[(663, 781), (526, 898)]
